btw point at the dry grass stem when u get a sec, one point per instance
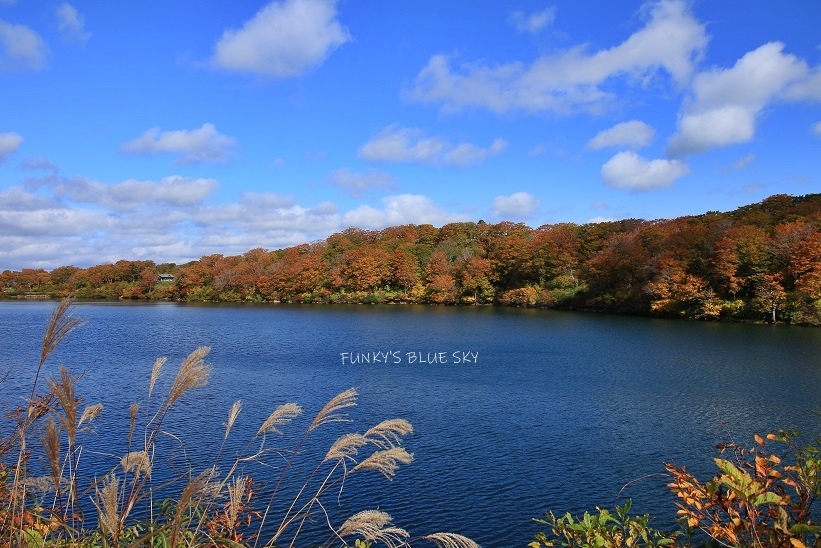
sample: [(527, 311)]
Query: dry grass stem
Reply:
[(451, 540), (281, 416), (60, 324), (236, 494), (132, 412), (345, 447), (193, 373), (198, 488), (155, 374), (386, 462), (388, 433), (43, 484), (63, 391), (106, 503), (50, 438), (232, 416), (136, 462), (373, 526), (331, 411), (90, 413)]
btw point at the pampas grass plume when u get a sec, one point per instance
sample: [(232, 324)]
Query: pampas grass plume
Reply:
[(386, 462), (193, 373), (281, 416), (331, 411)]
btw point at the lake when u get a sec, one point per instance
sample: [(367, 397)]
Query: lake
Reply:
[(544, 409)]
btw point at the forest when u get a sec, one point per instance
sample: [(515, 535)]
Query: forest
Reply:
[(760, 262)]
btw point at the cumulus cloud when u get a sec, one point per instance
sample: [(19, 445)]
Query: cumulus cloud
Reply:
[(400, 210), (71, 24), (629, 170), (726, 103), (56, 221), (21, 48), (283, 39), (196, 146), (24, 214), (173, 191), (533, 22), (518, 204), (9, 142), (567, 81), (816, 129), (409, 145), (632, 134), (356, 183)]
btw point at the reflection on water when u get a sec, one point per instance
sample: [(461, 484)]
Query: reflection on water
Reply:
[(559, 411)]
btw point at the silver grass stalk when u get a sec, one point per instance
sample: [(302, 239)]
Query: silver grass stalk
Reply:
[(331, 411), (236, 494), (50, 438), (232, 416), (60, 324), (63, 391), (346, 446), (44, 485), (281, 416), (106, 503), (373, 526), (136, 462), (132, 412), (90, 413), (193, 373), (155, 373), (386, 461), (451, 540), (198, 488), (388, 433)]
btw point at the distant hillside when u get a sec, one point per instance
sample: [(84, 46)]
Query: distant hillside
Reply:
[(759, 262)]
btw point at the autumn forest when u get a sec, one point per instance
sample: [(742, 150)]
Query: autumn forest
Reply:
[(761, 262)]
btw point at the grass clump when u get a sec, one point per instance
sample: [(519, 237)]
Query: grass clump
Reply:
[(123, 504)]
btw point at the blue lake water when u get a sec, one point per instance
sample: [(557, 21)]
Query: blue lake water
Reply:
[(561, 410)]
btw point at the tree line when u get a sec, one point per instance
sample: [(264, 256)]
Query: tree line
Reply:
[(759, 262)]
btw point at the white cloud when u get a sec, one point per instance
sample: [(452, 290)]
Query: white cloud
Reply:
[(518, 204), (71, 24), (400, 210), (356, 183), (204, 144), (39, 163), (744, 162), (726, 103), (283, 39), (672, 41), (399, 144), (599, 219), (173, 191), (633, 134), (56, 221), (21, 48), (816, 129), (465, 154), (23, 214), (535, 21), (9, 142), (629, 170)]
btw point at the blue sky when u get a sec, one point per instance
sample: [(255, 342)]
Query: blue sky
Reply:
[(172, 130)]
